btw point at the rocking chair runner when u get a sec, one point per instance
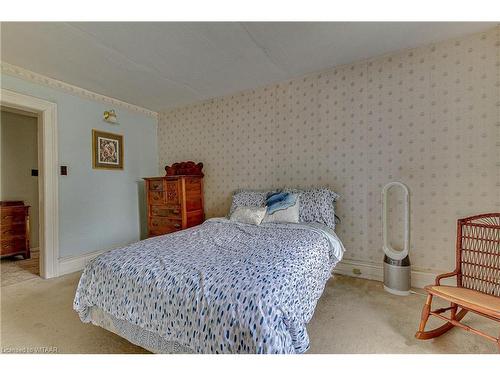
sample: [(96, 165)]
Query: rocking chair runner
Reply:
[(478, 278)]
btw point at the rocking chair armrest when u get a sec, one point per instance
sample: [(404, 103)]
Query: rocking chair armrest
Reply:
[(444, 276)]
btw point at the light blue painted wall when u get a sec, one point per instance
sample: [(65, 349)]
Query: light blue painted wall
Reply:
[(98, 209)]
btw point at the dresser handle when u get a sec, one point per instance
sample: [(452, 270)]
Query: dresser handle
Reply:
[(7, 216), (10, 231), (177, 225), (175, 211)]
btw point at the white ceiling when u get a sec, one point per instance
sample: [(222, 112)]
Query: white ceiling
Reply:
[(164, 65)]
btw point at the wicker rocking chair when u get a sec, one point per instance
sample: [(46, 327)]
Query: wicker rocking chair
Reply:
[(478, 278)]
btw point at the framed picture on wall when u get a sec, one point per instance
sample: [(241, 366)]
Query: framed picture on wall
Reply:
[(107, 150)]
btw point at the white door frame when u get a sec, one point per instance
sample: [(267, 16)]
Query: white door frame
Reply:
[(48, 179)]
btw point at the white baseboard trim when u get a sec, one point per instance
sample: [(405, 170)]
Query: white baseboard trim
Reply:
[(360, 269), (76, 263), (374, 271)]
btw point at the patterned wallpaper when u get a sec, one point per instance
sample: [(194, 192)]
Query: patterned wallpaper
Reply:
[(428, 117)]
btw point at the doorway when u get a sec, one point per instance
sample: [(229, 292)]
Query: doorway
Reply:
[(19, 196), (48, 218)]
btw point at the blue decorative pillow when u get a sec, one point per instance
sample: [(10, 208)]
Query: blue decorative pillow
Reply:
[(280, 201), (287, 215), (275, 196)]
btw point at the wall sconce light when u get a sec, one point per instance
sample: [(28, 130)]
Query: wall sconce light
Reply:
[(110, 116)]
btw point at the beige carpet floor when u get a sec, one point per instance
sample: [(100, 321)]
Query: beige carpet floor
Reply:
[(16, 269), (352, 316)]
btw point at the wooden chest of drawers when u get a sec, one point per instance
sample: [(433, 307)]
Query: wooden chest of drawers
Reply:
[(14, 228), (174, 203)]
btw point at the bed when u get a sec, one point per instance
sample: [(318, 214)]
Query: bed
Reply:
[(220, 287)]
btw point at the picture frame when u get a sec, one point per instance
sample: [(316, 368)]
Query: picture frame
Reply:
[(107, 150)]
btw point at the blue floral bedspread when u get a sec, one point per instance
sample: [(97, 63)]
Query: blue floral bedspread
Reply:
[(221, 287)]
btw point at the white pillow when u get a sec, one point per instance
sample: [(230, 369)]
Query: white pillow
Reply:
[(248, 215), (287, 215)]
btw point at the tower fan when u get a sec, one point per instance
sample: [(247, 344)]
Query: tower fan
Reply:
[(397, 268)]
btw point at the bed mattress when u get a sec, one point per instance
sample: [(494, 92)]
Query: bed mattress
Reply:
[(221, 287)]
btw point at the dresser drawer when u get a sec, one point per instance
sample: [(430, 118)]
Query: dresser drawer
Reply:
[(162, 225), (12, 230), (156, 185), (156, 197), (158, 222), (13, 216), (173, 195), (163, 230), (12, 246), (166, 211)]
